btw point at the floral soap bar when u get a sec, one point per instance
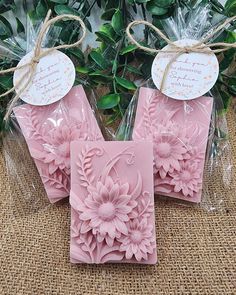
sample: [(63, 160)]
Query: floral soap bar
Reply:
[(179, 131), (48, 131), (112, 203)]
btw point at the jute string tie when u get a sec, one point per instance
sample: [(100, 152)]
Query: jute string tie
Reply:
[(203, 46), (38, 54)]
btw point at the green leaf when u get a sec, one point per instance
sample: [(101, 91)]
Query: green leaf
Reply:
[(33, 16), (217, 6), (105, 38), (108, 29), (60, 1), (6, 5), (100, 77), (117, 22), (227, 98), (107, 15), (41, 9), (88, 25), (64, 9), (128, 49), (6, 82), (108, 101), (114, 66), (125, 83), (111, 4), (146, 67), (99, 59), (133, 70), (229, 55), (82, 70), (20, 27), (232, 89), (228, 58), (111, 119), (156, 10), (231, 37), (163, 3), (230, 7), (5, 28), (76, 52)]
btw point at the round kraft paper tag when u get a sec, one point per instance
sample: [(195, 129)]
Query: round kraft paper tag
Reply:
[(189, 76), (53, 78)]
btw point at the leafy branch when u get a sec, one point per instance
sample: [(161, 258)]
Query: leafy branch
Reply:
[(114, 64)]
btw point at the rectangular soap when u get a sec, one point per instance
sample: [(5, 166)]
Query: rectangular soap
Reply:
[(179, 131), (112, 202), (48, 131)]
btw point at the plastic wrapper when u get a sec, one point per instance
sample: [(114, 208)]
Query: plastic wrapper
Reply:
[(36, 143), (192, 159)]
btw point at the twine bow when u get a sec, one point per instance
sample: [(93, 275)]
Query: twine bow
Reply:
[(38, 54), (199, 47)]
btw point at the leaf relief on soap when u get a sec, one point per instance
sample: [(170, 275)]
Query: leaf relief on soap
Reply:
[(177, 143), (56, 184), (112, 213)]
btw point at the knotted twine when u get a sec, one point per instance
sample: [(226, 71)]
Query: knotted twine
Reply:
[(199, 47), (38, 54)]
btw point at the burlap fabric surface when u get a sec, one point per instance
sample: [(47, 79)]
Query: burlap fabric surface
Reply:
[(196, 249)]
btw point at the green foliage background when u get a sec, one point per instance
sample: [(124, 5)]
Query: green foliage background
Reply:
[(112, 64)]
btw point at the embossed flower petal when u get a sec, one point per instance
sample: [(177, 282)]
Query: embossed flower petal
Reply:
[(114, 193), (76, 203), (85, 227), (108, 228), (122, 217), (109, 182), (139, 241), (169, 150), (56, 151), (88, 214), (95, 222), (124, 188), (90, 203), (188, 179), (122, 200), (121, 226), (106, 209)]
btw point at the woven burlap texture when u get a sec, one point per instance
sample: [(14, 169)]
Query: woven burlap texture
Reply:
[(196, 250)]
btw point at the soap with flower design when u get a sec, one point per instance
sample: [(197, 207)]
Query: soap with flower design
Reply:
[(112, 203), (179, 130), (48, 131)]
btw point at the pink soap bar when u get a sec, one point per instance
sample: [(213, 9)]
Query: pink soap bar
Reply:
[(179, 131), (48, 131), (112, 202)]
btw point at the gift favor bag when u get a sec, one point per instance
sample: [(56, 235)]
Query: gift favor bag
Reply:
[(181, 111), (44, 116)]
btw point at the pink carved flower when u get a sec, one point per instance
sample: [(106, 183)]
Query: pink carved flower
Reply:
[(140, 240), (188, 179), (107, 209), (57, 149), (169, 150)]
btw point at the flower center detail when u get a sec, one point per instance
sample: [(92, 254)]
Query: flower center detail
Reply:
[(186, 175), (136, 236), (106, 211), (64, 149), (163, 149)]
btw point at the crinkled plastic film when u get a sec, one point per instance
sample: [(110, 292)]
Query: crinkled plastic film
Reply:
[(192, 156), (36, 141)]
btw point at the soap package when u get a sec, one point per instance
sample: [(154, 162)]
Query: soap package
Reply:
[(112, 211), (47, 131), (192, 158), (40, 127)]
